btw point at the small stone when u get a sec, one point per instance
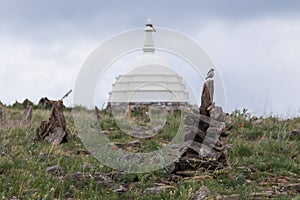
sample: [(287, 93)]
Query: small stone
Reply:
[(154, 190), (121, 189), (197, 178), (87, 167), (202, 193), (100, 177), (116, 175), (248, 181), (79, 176), (216, 112), (262, 194), (56, 169), (293, 186), (170, 168), (135, 143), (233, 196), (175, 178), (81, 151)]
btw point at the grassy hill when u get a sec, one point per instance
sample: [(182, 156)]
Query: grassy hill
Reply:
[(264, 162)]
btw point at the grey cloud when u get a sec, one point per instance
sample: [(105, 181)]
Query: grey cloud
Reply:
[(90, 15)]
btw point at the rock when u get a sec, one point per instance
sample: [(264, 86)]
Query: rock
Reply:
[(231, 197), (116, 175), (78, 176), (293, 186), (266, 194), (170, 168), (135, 143), (216, 112), (192, 119), (202, 193), (56, 169), (187, 173), (98, 177), (154, 190), (87, 167), (121, 189), (81, 151), (197, 178), (190, 132), (205, 135), (175, 178)]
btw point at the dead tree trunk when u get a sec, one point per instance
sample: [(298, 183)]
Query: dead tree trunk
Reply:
[(97, 113), (27, 115), (1, 110), (55, 129), (205, 135)]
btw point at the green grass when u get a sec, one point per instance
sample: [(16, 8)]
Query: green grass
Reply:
[(260, 156)]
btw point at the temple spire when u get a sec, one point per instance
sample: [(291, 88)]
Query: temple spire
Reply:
[(149, 45)]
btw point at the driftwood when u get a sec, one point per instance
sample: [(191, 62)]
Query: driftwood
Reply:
[(55, 128), (205, 136)]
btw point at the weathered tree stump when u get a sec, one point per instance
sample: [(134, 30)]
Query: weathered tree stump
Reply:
[(1, 110), (97, 113), (26, 103), (27, 115), (205, 135), (45, 103), (55, 128)]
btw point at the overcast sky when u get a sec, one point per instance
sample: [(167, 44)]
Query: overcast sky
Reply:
[(254, 44)]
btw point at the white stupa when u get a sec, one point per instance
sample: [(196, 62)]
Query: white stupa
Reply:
[(152, 80)]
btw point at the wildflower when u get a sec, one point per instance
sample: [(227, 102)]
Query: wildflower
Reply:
[(241, 125)]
